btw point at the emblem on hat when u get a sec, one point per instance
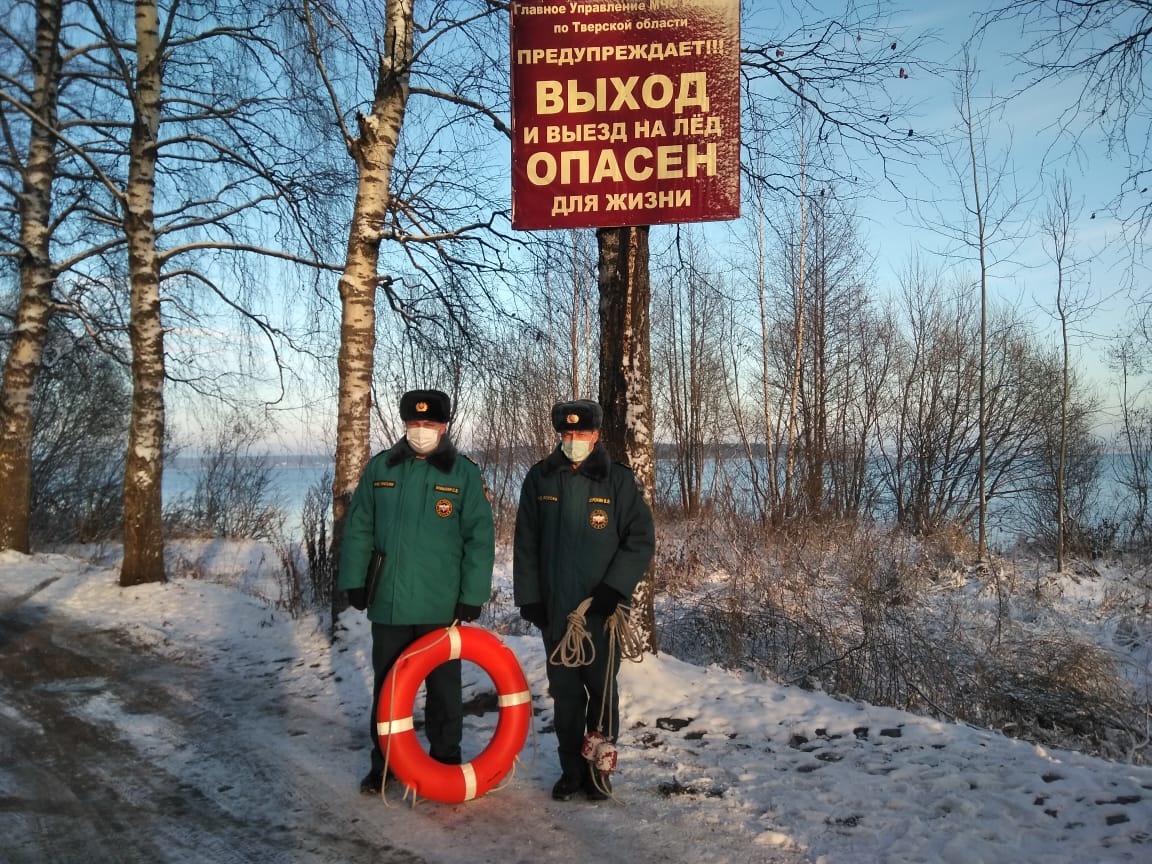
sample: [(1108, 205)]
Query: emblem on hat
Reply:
[(443, 508), (573, 419), (598, 519), (421, 407)]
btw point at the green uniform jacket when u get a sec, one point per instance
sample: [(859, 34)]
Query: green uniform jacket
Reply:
[(432, 520), (576, 529)]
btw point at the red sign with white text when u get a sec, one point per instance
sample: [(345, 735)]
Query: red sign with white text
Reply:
[(625, 113)]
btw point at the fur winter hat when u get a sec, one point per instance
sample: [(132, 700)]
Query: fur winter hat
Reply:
[(577, 416), (431, 405)]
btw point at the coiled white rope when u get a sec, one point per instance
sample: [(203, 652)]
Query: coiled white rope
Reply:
[(576, 648)]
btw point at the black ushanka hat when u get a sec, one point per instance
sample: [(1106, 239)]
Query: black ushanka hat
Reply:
[(580, 415), (431, 405)]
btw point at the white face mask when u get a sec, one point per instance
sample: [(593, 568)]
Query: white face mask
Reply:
[(422, 439), (576, 449)]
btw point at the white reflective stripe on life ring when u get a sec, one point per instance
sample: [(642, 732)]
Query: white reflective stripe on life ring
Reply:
[(469, 781), (510, 700), (404, 724), (454, 643)]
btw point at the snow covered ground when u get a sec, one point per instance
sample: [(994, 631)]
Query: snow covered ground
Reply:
[(714, 766)]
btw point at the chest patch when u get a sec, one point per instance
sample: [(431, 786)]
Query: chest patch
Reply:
[(598, 519), (444, 508), (384, 484)]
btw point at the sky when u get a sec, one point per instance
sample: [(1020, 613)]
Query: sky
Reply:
[(236, 732), (903, 218), (892, 220), (908, 208), (1023, 143)]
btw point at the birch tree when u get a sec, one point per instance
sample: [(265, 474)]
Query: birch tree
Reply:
[(1134, 443), (422, 234), (823, 96), (987, 235), (1057, 228), (1071, 307), (837, 405), (798, 271), (143, 469), (691, 312), (206, 167), (931, 446), (29, 101), (372, 148), (843, 65), (184, 176)]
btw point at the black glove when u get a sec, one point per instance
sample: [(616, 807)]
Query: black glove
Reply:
[(534, 613), (605, 599), (358, 598), (467, 612)]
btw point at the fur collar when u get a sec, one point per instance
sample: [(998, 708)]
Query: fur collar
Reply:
[(594, 467), (442, 458)]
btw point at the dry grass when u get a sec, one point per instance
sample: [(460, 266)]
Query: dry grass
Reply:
[(878, 617)]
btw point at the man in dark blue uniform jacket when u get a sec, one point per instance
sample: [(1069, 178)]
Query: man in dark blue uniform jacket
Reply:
[(583, 529)]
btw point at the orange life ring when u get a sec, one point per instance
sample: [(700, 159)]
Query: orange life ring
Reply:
[(451, 784)]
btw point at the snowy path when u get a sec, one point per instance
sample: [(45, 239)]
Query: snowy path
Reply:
[(120, 746), (192, 722)]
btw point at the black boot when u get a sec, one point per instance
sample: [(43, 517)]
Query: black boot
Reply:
[(567, 786), (372, 783)]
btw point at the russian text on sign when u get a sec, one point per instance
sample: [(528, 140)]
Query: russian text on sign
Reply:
[(562, 205), (654, 51), (525, 9), (628, 201), (593, 8), (667, 162), (655, 92), (586, 132)]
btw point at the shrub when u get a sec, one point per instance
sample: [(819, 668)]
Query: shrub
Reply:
[(233, 491), (879, 617), (79, 437)]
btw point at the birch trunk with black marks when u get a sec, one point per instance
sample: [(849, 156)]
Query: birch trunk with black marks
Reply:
[(34, 309), (143, 468), (374, 152)]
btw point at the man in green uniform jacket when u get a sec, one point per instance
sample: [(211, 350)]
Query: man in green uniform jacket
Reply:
[(583, 529), (421, 511)]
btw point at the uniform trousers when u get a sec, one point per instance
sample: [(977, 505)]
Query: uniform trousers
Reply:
[(584, 698), (443, 708)]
